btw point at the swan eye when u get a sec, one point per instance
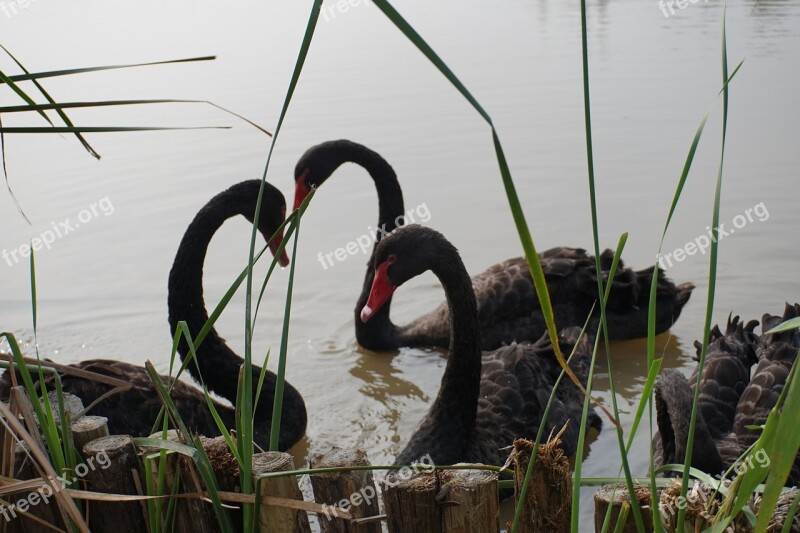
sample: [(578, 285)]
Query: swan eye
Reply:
[(391, 259)]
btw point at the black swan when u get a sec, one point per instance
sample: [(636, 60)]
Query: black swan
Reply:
[(133, 412), (486, 400), (508, 309), (731, 402)]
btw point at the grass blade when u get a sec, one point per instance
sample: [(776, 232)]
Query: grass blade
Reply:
[(521, 224), (783, 449), (107, 103), (602, 295), (200, 458), (277, 405), (69, 72), (22, 94), (712, 278), (539, 435), (245, 406), (60, 112), (103, 129)]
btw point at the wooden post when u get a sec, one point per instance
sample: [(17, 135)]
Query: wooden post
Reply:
[(7, 445), (410, 502), (548, 501), (20, 403), (226, 472), (9, 448), (615, 496), (273, 519), (88, 428), (222, 460), (470, 500), (111, 464), (46, 509), (191, 514), (352, 491), (73, 405)]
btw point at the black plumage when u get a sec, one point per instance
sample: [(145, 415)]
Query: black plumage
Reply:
[(134, 411), (507, 304), (486, 399), (734, 396)]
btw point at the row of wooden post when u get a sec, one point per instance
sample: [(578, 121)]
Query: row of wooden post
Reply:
[(420, 499)]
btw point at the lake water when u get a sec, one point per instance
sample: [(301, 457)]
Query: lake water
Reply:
[(102, 287)]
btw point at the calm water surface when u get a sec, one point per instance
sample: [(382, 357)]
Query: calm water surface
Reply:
[(102, 288)]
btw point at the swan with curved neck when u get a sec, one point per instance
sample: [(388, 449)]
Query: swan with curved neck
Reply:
[(486, 400), (218, 364), (134, 411), (508, 307)]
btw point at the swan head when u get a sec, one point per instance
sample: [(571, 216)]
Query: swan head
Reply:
[(271, 215), (318, 163), (405, 253)]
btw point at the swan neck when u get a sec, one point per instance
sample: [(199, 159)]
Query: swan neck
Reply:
[(379, 333), (458, 395), (390, 195), (218, 364)]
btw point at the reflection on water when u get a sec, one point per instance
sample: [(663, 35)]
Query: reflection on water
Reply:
[(629, 362), (102, 292), (382, 380)]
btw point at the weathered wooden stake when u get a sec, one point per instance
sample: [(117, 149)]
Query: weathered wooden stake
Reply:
[(410, 502), (87, 428), (352, 491), (226, 472), (191, 514), (548, 501), (272, 519), (73, 405), (45, 508), (470, 500), (615, 496), (111, 464), (222, 460)]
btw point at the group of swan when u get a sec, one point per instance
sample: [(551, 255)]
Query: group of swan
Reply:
[(501, 369)]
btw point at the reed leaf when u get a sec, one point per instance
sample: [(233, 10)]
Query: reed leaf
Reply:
[(200, 458), (84, 70), (102, 129), (60, 112), (245, 405), (712, 278), (521, 499)]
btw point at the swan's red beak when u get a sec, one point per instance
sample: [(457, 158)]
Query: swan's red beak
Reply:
[(283, 260), (300, 191), (381, 291)]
